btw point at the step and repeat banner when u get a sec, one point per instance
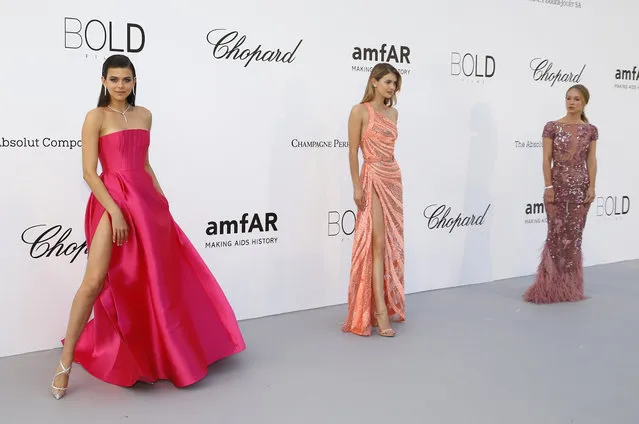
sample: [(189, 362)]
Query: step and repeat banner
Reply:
[(250, 103)]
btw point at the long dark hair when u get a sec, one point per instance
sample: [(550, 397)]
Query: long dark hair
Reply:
[(117, 61), (585, 95)]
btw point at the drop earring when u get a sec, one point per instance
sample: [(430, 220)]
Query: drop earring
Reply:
[(105, 91)]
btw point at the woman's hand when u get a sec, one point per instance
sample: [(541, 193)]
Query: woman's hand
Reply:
[(357, 197), (549, 195), (120, 228), (590, 195)]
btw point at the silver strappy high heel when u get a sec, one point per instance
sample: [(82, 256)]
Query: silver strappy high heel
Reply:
[(59, 392)]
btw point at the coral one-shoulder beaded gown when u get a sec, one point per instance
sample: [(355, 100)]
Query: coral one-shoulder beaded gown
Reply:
[(161, 313), (380, 172), (560, 271)]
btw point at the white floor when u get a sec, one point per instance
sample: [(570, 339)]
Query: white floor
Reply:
[(469, 355)]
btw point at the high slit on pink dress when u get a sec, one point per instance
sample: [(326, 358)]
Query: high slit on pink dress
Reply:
[(380, 173), (161, 313)]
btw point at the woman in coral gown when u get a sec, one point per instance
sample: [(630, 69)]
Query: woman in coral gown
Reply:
[(570, 169), (158, 311), (376, 287)]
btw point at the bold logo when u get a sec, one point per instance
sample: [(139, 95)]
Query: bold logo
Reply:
[(437, 218), (100, 36), (229, 45), (245, 225), (472, 65), (612, 206), (543, 71), (52, 240), (341, 223)]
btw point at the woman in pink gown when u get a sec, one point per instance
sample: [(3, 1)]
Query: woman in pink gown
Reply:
[(376, 287), (159, 313), (570, 169)]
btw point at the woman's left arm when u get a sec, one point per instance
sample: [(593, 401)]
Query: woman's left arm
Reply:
[(147, 165), (149, 169), (591, 163)]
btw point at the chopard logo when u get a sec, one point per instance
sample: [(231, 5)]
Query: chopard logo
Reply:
[(543, 71), (230, 45), (46, 242), (437, 218)]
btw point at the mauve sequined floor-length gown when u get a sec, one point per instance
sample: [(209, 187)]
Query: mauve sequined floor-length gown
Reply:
[(381, 173), (560, 272)]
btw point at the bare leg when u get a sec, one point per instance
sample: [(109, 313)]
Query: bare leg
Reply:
[(381, 314), (575, 223), (97, 266)]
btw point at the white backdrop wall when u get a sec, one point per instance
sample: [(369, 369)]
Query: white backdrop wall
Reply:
[(234, 137)]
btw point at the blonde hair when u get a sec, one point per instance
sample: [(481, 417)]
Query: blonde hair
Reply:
[(377, 73), (585, 94)]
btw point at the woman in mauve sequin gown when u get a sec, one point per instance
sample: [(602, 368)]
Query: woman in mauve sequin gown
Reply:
[(376, 287), (570, 169), (159, 313)]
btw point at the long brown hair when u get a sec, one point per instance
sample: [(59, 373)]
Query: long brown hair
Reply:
[(377, 73), (585, 94), (117, 61)]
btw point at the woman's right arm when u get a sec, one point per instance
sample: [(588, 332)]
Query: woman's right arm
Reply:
[(549, 193), (354, 136), (90, 137)]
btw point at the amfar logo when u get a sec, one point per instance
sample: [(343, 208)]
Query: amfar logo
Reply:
[(543, 71), (52, 240), (535, 213), (627, 74), (385, 53), (341, 223), (96, 34), (612, 206), (229, 45), (472, 65), (622, 75), (535, 208), (243, 226), (437, 218)]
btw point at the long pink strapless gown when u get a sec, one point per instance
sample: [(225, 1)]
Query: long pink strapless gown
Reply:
[(380, 173), (161, 314)]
